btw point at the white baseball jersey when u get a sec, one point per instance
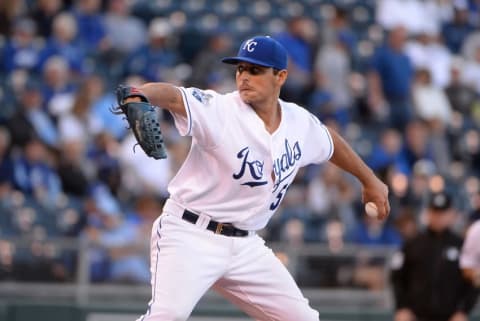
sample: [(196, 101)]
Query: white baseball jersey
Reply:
[(236, 171), (470, 257)]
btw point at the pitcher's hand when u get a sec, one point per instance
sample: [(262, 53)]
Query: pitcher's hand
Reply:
[(374, 190)]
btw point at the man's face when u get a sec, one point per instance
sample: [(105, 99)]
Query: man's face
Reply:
[(440, 220), (257, 83)]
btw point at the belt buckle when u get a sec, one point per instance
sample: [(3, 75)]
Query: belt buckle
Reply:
[(219, 228)]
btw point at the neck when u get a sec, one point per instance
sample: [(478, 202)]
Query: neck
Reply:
[(270, 114)]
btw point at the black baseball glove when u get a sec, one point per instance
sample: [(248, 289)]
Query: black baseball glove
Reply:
[(143, 119)]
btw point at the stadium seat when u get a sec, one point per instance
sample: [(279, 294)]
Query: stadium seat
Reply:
[(207, 23), (147, 10), (361, 16), (292, 9), (194, 7), (260, 10), (226, 8), (275, 26), (325, 11), (242, 27)]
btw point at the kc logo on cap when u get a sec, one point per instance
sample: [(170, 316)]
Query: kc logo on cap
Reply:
[(250, 45), (263, 51)]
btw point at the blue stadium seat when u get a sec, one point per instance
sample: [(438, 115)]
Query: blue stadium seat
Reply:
[(325, 11), (274, 26), (226, 8), (163, 7), (206, 23), (194, 7), (260, 10), (312, 2), (243, 27), (361, 16), (292, 9)]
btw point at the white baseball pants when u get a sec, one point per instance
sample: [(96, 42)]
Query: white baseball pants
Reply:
[(186, 260)]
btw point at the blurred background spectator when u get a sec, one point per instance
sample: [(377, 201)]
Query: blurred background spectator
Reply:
[(153, 59), (62, 41), (420, 268), (390, 81), (300, 41), (31, 119), (21, 50), (44, 14), (206, 73)]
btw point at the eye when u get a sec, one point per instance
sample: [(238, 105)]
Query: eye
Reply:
[(255, 70), (252, 70)]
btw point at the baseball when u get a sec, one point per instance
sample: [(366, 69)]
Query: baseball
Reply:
[(371, 209)]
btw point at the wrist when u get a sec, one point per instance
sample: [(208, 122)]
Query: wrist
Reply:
[(127, 94), (367, 177)]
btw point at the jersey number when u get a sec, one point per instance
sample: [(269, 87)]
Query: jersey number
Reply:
[(279, 197)]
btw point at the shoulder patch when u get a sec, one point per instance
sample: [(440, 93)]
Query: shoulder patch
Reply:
[(397, 260), (201, 96), (452, 253)]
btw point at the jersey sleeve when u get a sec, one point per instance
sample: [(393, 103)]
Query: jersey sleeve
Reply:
[(318, 141), (204, 120), (470, 257)]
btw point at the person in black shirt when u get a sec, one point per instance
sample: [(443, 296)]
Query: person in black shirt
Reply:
[(427, 280)]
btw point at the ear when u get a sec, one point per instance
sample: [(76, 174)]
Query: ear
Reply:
[(282, 77)]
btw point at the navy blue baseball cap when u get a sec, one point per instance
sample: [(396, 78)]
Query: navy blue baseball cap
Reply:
[(440, 201), (261, 50)]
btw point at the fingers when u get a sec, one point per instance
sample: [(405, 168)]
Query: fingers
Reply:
[(380, 198), (383, 214), (126, 94), (377, 192), (134, 99), (383, 209), (385, 205)]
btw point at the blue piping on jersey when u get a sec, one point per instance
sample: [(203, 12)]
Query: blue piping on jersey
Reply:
[(149, 310), (189, 131), (330, 153)]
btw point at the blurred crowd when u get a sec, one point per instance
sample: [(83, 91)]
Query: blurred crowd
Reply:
[(399, 79)]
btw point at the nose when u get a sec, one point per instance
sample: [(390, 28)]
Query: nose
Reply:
[(243, 74), (243, 77)]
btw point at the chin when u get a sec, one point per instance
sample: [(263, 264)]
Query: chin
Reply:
[(246, 98)]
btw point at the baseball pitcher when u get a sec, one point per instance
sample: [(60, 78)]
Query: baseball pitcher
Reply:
[(247, 147)]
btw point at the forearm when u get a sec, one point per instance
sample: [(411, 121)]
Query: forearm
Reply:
[(164, 95), (373, 190), (472, 275)]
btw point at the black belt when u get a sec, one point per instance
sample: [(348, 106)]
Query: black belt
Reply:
[(226, 229)]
